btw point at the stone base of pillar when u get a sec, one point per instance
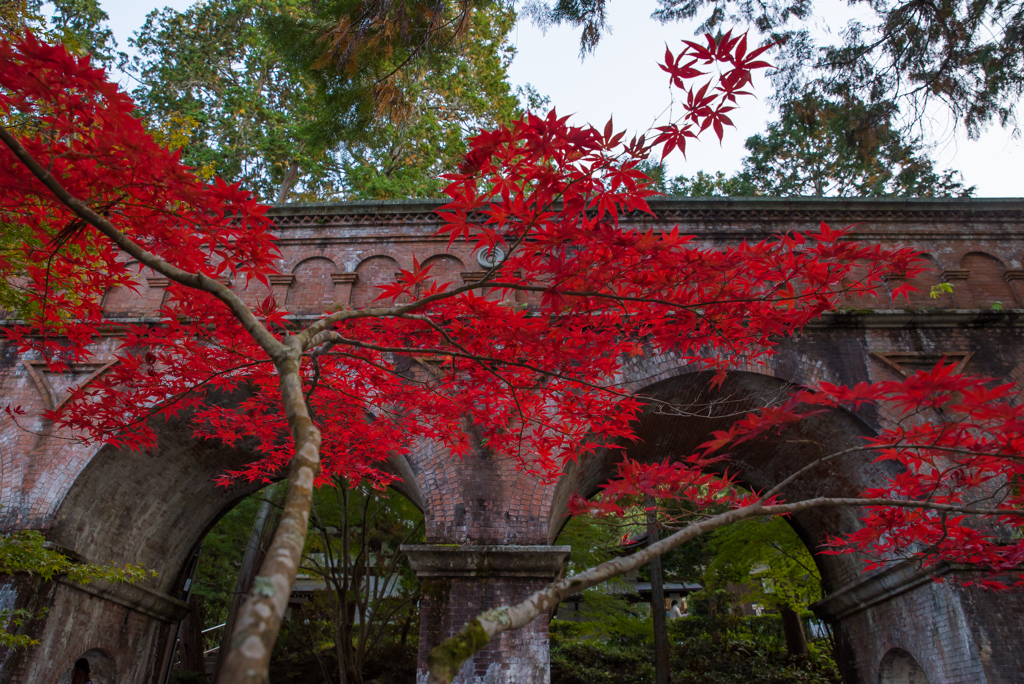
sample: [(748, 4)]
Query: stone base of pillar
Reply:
[(460, 582)]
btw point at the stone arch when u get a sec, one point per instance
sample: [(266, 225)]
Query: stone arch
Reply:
[(759, 464), (102, 668), (789, 365), (899, 667), (445, 268), (152, 509), (122, 301), (371, 273), (149, 508), (985, 281), (312, 289)]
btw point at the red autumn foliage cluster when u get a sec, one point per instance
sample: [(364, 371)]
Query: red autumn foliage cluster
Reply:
[(957, 439), (533, 383)]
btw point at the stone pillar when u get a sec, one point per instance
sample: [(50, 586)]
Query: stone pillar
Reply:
[(460, 582), (962, 295), (279, 284), (1015, 277), (343, 284)]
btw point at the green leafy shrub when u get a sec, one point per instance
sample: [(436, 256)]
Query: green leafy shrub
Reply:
[(752, 651), (599, 662)]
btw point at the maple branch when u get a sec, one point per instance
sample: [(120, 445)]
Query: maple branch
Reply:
[(874, 447), (445, 660), (197, 281), (259, 618), (330, 337)]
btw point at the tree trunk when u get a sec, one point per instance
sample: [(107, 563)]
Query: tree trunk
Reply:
[(259, 618), (405, 627), (255, 552), (661, 648), (339, 645), (286, 184), (793, 628)]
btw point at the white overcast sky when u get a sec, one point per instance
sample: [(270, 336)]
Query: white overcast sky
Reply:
[(622, 80)]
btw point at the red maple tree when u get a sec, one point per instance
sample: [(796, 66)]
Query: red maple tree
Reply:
[(100, 199)]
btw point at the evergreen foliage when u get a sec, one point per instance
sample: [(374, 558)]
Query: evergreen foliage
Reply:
[(265, 101), (967, 57), (828, 148)]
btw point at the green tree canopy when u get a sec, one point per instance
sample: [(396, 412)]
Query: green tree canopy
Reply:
[(769, 558), (444, 101), (79, 24), (317, 101), (210, 71), (823, 148)]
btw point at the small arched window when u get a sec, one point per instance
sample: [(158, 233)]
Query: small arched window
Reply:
[(95, 665)]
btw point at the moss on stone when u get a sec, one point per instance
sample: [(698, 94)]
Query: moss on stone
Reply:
[(447, 657)]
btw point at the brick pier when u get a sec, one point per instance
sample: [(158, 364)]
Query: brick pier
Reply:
[(458, 580)]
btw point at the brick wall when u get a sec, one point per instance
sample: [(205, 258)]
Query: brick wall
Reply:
[(153, 508)]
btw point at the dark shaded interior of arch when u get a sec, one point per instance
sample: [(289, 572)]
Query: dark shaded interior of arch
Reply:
[(689, 410)]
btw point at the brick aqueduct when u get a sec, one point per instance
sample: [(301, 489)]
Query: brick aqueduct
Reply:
[(494, 527)]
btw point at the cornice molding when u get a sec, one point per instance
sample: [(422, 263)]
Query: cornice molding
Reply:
[(700, 210), (154, 604), (865, 318), (506, 561), (922, 318), (883, 586)]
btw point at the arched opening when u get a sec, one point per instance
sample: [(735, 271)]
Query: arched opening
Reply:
[(95, 665), (354, 585), (899, 667), (152, 509), (684, 410)]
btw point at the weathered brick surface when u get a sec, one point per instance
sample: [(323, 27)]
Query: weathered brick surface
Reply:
[(153, 508), (950, 632), (511, 658)]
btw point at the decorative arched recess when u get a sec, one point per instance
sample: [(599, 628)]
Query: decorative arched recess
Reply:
[(370, 275), (122, 301), (985, 281), (924, 282), (445, 268), (312, 290), (899, 667)]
